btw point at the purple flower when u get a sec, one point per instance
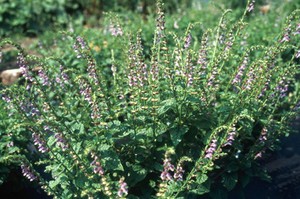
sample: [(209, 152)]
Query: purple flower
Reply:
[(188, 41), (231, 137), (86, 91), (77, 51), (263, 135), (60, 141), (29, 109), (62, 78), (212, 78), (282, 87), (238, 77), (27, 173), (297, 55), (165, 175), (251, 6), (95, 111), (115, 30), (6, 98), (44, 78), (81, 42), (92, 71), (97, 166), (229, 42), (211, 149), (297, 29), (286, 35), (39, 143), (23, 66), (178, 175), (250, 79), (258, 155), (123, 189), (286, 38)]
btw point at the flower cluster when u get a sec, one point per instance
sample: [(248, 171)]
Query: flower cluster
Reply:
[(24, 67), (286, 35), (251, 6), (86, 91), (231, 136), (115, 30), (44, 77), (123, 190), (282, 87), (62, 78), (37, 140), (238, 77), (168, 166), (263, 135), (27, 172), (81, 42), (211, 149), (29, 109), (61, 141), (178, 175), (188, 41), (97, 165)]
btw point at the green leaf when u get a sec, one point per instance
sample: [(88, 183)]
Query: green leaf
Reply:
[(166, 105), (51, 141), (177, 133), (200, 190), (201, 178), (229, 180), (110, 158)]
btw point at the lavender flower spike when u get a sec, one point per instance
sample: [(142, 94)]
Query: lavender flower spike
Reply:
[(212, 148), (165, 175), (27, 173), (188, 41)]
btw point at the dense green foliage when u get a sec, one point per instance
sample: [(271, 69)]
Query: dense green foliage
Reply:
[(168, 108)]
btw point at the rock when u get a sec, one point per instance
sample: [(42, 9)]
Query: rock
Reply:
[(264, 9), (10, 76)]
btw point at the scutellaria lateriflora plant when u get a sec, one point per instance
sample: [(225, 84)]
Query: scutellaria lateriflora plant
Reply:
[(190, 119)]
